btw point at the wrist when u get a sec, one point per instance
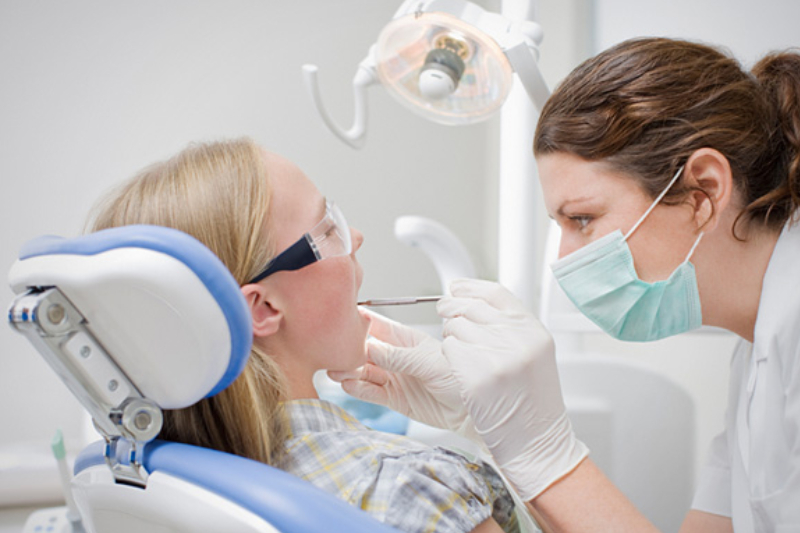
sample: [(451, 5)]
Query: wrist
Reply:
[(467, 430), (542, 461)]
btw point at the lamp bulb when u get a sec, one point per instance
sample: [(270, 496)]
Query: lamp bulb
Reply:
[(440, 73), (435, 84)]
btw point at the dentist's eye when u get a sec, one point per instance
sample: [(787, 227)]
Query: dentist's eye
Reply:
[(581, 221)]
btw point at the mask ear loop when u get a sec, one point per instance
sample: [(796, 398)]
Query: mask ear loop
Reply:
[(654, 204), (689, 255)]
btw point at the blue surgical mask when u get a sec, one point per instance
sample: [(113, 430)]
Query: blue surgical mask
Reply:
[(601, 281)]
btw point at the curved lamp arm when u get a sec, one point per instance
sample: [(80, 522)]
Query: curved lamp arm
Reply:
[(365, 76), (448, 254)]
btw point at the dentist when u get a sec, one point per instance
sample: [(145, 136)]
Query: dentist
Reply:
[(675, 177)]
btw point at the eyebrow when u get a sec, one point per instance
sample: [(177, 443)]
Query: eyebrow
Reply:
[(560, 210)]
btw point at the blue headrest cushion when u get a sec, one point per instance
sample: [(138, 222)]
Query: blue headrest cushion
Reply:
[(186, 249)]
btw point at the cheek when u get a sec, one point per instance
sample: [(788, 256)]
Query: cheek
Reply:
[(570, 242), (573, 239), (659, 245), (326, 321)]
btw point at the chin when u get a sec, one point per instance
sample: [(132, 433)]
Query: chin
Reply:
[(365, 324), (360, 352), (348, 366), (353, 346), (350, 356)]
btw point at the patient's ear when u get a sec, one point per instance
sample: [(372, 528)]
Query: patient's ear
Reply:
[(266, 317)]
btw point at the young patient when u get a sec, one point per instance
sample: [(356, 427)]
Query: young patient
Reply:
[(249, 207)]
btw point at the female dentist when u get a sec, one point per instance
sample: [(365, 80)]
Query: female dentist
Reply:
[(675, 177)]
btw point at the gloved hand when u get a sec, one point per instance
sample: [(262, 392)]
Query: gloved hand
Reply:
[(504, 361), (407, 372)]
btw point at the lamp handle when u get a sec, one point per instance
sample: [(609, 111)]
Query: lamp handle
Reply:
[(365, 76), (523, 61)]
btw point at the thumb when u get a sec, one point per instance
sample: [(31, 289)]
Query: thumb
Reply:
[(396, 359), (366, 391), (473, 367)]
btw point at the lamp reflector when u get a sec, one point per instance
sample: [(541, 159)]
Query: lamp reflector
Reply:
[(443, 68)]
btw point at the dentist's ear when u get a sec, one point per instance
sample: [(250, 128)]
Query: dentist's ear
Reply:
[(266, 317), (709, 172)]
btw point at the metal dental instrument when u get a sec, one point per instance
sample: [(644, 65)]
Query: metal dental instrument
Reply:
[(405, 300)]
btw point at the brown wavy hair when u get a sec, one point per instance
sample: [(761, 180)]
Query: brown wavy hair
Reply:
[(645, 105)]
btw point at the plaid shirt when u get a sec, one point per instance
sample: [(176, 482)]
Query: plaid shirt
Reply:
[(401, 482)]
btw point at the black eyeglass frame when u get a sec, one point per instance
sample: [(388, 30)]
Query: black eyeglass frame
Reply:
[(314, 245), (301, 254)]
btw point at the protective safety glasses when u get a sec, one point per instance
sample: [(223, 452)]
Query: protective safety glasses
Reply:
[(329, 238)]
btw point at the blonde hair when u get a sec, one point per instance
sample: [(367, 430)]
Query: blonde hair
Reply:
[(220, 194)]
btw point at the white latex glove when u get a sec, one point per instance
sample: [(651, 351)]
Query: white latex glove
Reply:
[(407, 372), (504, 360)]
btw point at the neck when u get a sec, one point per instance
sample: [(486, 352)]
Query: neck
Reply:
[(298, 378), (301, 387), (732, 276)]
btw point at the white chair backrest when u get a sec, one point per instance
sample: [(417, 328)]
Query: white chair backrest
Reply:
[(160, 301)]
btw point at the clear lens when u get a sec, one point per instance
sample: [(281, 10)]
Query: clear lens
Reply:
[(331, 237)]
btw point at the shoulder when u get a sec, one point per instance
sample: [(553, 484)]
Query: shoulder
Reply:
[(778, 322), (437, 486), (400, 481)]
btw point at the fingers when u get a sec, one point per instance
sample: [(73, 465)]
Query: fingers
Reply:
[(383, 328), (485, 314), (465, 330), (369, 373), (503, 335), (412, 361), (340, 375), (475, 310), (471, 365), (369, 383), (482, 336), (365, 383), (392, 332), (365, 391), (492, 293)]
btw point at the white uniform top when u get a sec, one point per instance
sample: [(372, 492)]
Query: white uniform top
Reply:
[(753, 470)]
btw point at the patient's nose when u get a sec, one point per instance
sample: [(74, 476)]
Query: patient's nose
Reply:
[(358, 239)]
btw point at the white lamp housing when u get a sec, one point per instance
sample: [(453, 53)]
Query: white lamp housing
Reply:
[(450, 61)]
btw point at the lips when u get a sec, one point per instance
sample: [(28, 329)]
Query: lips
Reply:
[(359, 276)]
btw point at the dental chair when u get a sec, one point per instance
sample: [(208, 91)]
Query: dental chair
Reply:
[(139, 319)]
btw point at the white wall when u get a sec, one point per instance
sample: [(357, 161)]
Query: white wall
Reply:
[(93, 90), (747, 28)]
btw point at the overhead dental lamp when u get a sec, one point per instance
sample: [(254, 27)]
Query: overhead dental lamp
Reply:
[(450, 61)]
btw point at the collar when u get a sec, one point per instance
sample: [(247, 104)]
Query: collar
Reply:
[(308, 416)]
